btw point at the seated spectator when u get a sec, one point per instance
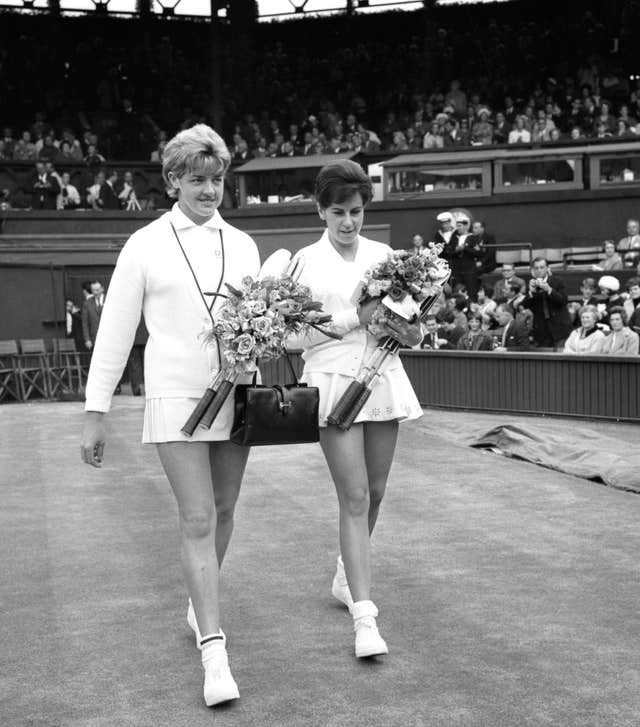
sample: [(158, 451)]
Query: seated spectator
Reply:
[(588, 296), (156, 154), (501, 129), (433, 139), (482, 130), (45, 188), (69, 197), (611, 260), (127, 196), (630, 245), (475, 339), (632, 304), (417, 244), (520, 134), (93, 158), (484, 305), (24, 149), (449, 330), (511, 335), (588, 339), (49, 151), (622, 341), (93, 192), (432, 340), (504, 287), (610, 297)]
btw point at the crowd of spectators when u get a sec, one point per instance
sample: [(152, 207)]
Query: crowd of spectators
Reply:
[(117, 96), (519, 314)]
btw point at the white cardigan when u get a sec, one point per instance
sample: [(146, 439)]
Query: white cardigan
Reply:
[(152, 276), (333, 281)]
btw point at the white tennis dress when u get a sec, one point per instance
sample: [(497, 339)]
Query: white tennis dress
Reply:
[(152, 276), (332, 365)]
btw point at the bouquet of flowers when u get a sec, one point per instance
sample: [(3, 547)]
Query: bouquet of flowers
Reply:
[(408, 284), (252, 325)]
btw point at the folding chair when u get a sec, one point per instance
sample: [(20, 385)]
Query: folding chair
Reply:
[(10, 386), (32, 365), (63, 367)]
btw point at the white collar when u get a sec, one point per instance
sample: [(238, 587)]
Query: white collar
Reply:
[(182, 222), (326, 242)]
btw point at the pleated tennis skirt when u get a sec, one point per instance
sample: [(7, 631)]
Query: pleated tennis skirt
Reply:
[(392, 397), (165, 417)]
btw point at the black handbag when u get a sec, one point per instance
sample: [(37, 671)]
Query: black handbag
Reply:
[(286, 414)]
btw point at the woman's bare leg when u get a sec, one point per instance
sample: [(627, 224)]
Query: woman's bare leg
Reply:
[(379, 446), (344, 452), (188, 468), (228, 462)]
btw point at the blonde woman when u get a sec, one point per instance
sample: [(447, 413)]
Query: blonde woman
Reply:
[(170, 270)]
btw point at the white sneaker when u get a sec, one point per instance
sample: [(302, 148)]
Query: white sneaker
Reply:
[(368, 640), (340, 587), (219, 684), (191, 620)]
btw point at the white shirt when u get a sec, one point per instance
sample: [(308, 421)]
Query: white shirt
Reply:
[(152, 276), (336, 283)]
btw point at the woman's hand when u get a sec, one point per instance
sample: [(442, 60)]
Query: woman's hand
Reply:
[(93, 439), (366, 310), (409, 334)]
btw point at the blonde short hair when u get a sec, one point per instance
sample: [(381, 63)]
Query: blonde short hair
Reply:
[(194, 148)]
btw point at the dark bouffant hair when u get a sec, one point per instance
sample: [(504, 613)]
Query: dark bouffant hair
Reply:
[(340, 180)]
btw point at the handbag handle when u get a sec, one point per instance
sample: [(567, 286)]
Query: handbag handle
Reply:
[(291, 369)]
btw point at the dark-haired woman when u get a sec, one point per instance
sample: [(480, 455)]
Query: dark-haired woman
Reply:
[(359, 459), (170, 270)]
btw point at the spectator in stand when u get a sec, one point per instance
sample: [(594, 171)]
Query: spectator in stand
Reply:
[(65, 155), (93, 192), (49, 151), (576, 134), (609, 296), (547, 299), (156, 154), (445, 228), (622, 341), (588, 289), (504, 287), (399, 142), (432, 340), (456, 98), (632, 303), (127, 196), (624, 130), (417, 244), (475, 339), (486, 243), (93, 159), (630, 245), (69, 197), (501, 129), (108, 199), (465, 253), (241, 153), (8, 142), (606, 118), (73, 324), (24, 149), (484, 304), (588, 339), (611, 260), (520, 134), (45, 189), (482, 130), (75, 148), (449, 331), (511, 335), (433, 139)]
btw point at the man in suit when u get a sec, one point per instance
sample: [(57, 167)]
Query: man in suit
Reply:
[(108, 195), (432, 340), (512, 334), (505, 287), (91, 312), (44, 189), (547, 299), (486, 263)]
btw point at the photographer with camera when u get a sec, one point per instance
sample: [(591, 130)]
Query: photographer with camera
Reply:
[(547, 299)]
